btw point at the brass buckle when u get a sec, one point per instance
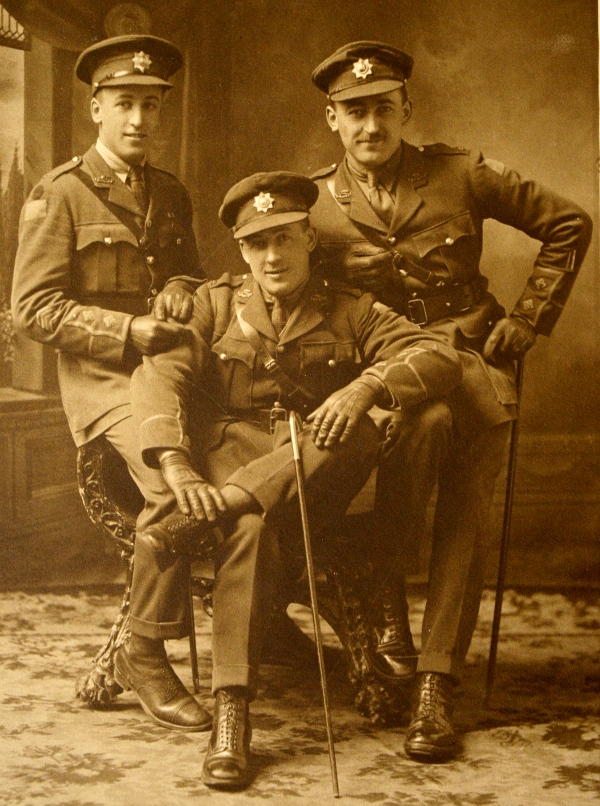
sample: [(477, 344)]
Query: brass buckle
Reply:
[(277, 413), (417, 313)]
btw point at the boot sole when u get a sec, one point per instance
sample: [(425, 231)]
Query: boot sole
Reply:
[(431, 753), (126, 686)]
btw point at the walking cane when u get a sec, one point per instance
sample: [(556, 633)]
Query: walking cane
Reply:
[(313, 596), (508, 505)]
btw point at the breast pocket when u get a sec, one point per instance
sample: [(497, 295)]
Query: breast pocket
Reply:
[(328, 365), (234, 361), (103, 254), (453, 243)]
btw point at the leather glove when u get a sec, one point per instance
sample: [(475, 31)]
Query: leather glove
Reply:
[(174, 302), (194, 495), (337, 417), (511, 338), (368, 266), (151, 336)]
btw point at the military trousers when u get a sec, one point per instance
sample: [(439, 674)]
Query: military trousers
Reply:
[(247, 562), (428, 447)]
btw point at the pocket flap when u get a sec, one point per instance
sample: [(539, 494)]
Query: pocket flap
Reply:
[(328, 352), (227, 348), (444, 234), (86, 234)]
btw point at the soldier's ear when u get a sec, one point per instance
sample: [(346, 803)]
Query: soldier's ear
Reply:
[(242, 243), (311, 237), (407, 110), (332, 120), (95, 110)]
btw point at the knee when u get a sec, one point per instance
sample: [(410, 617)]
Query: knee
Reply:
[(365, 440), (436, 418)]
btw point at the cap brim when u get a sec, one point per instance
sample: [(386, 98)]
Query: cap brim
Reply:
[(363, 90), (129, 80), (276, 220)]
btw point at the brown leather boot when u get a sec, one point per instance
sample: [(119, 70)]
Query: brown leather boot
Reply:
[(226, 765), (396, 653), (161, 693), (430, 735)]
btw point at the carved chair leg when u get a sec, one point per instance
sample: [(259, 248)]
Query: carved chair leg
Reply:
[(98, 688)]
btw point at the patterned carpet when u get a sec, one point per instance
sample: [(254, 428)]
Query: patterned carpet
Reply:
[(538, 745)]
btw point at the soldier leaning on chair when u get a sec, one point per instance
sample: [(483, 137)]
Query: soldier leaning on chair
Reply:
[(258, 345), (103, 239), (405, 222)]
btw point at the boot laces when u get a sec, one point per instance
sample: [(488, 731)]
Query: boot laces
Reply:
[(430, 696), (229, 723)]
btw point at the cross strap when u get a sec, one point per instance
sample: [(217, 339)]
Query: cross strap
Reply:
[(297, 395)]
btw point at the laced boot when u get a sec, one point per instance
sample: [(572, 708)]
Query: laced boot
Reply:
[(226, 765), (395, 646), (144, 669), (430, 735)]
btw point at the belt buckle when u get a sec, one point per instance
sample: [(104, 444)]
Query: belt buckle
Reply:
[(277, 413), (417, 311)]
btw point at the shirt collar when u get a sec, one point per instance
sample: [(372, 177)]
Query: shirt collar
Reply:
[(119, 166), (386, 175), (289, 302)]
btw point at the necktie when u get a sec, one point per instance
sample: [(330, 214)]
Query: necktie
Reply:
[(380, 200), (138, 187), (278, 316)]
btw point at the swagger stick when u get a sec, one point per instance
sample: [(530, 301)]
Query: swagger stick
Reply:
[(193, 648), (313, 596), (508, 505)]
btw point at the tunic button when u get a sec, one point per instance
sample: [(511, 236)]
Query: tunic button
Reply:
[(108, 240), (178, 241), (449, 241), (331, 362), (421, 148), (448, 304), (223, 356), (149, 224), (280, 348), (403, 273), (149, 260), (154, 291), (392, 240), (414, 294)]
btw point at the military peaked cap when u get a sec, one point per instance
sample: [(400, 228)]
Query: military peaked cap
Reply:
[(131, 59), (362, 68), (266, 200)]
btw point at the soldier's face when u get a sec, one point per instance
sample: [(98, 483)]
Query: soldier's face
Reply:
[(279, 257), (127, 117), (371, 127)]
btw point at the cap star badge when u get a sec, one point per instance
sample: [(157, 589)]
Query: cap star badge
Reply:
[(362, 68), (141, 61), (263, 202)]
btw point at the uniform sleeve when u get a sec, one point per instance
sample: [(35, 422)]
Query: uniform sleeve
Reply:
[(561, 225), (413, 364), (41, 303), (189, 274), (162, 386)]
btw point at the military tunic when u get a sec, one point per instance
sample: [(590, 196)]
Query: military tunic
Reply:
[(89, 260), (216, 379)]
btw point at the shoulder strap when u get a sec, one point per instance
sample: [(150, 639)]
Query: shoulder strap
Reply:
[(296, 394)]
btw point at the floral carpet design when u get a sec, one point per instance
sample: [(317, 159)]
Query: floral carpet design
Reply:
[(537, 745)]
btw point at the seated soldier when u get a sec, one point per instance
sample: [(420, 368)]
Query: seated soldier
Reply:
[(258, 346)]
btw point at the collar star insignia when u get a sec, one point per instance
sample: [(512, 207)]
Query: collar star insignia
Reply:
[(362, 68), (141, 61), (263, 202)]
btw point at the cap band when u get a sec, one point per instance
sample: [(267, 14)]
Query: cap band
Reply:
[(267, 210), (135, 68), (365, 76)]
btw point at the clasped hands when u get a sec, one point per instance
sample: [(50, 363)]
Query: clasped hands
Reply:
[(332, 422), (162, 329)]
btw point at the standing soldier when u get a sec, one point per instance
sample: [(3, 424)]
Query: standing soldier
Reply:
[(406, 223), (104, 239)]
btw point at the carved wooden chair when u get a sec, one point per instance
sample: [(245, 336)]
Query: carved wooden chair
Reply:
[(345, 592)]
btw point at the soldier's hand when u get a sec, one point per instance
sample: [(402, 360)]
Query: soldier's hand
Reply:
[(194, 494), (368, 266), (511, 338), (173, 302), (337, 417), (152, 336)]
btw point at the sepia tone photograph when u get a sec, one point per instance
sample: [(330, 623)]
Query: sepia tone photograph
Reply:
[(299, 402)]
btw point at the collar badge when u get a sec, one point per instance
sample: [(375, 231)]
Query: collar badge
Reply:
[(244, 293), (141, 61), (263, 202), (362, 68)]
